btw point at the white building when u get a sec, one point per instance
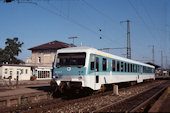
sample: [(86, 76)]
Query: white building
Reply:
[(22, 71)]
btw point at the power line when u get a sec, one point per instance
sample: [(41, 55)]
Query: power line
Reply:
[(97, 10), (69, 19), (75, 22), (140, 17), (147, 13)]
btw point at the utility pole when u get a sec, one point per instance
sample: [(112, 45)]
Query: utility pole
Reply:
[(153, 55), (166, 62), (73, 38), (161, 59), (128, 39)]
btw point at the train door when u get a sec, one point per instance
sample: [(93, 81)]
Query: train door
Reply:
[(97, 69), (140, 72), (94, 70)]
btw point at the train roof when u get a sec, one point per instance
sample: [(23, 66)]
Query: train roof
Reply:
[(101, 53)]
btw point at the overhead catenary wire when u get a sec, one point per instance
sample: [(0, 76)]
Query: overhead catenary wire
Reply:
[(101, 13), (141, 18), (101, 36), (98, 11), (148, 14), (79, 24)]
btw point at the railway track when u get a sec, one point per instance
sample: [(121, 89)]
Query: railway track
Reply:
[(64, 105), (135, 103)]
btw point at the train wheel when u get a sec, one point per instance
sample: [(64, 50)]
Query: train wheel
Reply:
[(132, 83), (85, 91)]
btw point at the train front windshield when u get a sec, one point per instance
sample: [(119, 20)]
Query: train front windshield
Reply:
[(71, 59)]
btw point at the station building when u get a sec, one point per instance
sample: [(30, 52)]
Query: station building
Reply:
[(42, 58), (13, 70)]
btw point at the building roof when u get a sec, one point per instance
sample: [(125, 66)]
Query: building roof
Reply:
[(150, 63), (54, 45), (16, 65)]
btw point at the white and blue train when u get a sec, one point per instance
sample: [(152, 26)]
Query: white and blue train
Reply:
[(89, 67)]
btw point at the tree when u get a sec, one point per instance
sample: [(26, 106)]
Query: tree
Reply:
[(11, 50)]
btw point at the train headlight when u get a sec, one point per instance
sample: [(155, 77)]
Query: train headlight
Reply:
[(55, 77)]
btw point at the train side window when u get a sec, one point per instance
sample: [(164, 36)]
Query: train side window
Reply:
[(128, 67), (97, 64), (141, 69), (144, 69), (131, 68), (92, 62), (104, 64), (122, 66), (134, 69), (125, 68), (138, 68), (118, 66), (153, 70), (113, 65)]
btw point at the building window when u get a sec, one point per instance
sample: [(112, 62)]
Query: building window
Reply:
[(39, 59), (6, 71), (22, 71), (26, 71), (113, 65), (104, 64), (10, 74), (43, 74), (17, 72)]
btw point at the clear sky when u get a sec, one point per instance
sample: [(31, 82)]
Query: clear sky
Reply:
[(42, 21)]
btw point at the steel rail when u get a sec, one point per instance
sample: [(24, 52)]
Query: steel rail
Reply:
[(137, 108), (122, 100)]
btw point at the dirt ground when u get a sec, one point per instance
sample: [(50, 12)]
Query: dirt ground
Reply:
[(24, 87)]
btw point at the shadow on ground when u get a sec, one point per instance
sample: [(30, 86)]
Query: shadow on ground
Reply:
[(41, 88)]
